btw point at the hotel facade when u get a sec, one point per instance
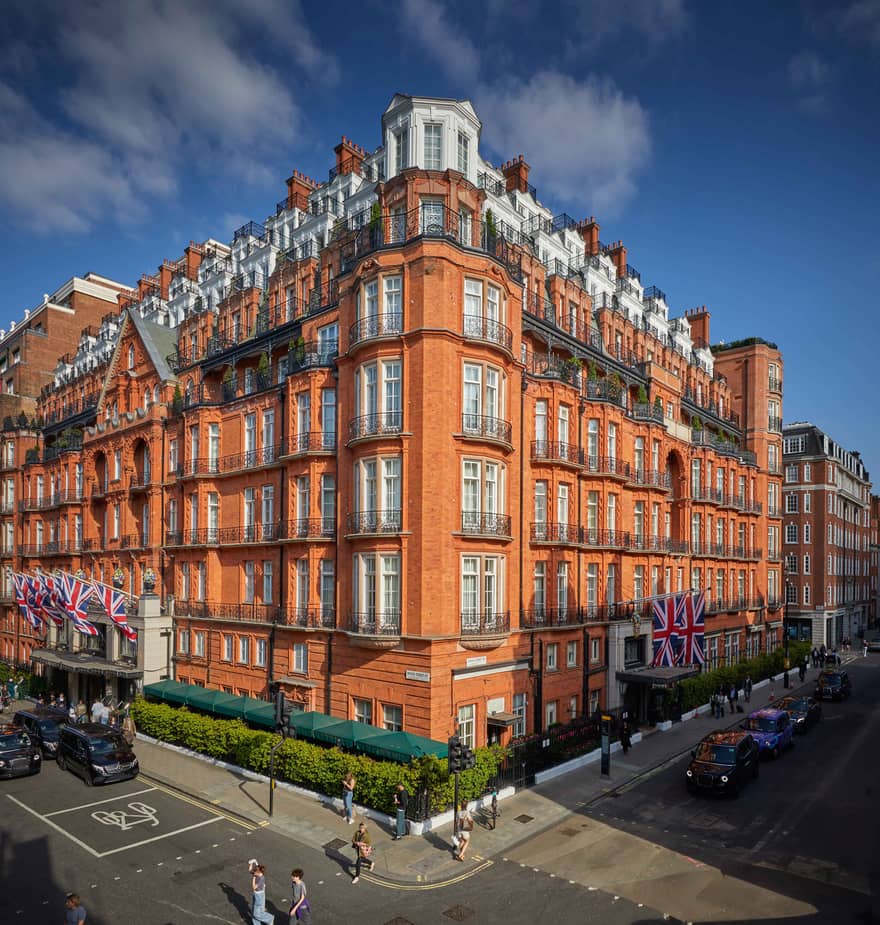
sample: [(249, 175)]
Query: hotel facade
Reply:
[(415, 447)]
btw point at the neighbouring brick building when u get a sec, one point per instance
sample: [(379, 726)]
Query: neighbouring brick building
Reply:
[(417, 448), (827, 537)]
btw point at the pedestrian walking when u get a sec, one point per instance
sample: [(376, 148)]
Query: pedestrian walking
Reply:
[(815, 657), (747, 688), (720, 702), (625, 740), (802, 671), (363, 845), (300, 908), (81, 710), (864, 648), (71, 714), (348, 784), (465, 827), (74, 910), (401, 799), (62, 702), (95, 712), (129, 732), (259, 912)]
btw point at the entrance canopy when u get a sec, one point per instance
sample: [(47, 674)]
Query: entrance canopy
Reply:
[(311, 725), (82, 663), (661, 676)]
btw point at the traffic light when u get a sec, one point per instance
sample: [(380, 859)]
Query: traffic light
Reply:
[(467, 758), (282, 710), (454, 749)]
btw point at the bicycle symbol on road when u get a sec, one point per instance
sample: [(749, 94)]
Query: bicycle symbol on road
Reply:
[(140, 812)]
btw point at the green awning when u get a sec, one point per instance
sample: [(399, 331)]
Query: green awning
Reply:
[(259, 712), (307, 722), (208, 698), (168, 690), (347, 733), (403, 746), (233, 708)]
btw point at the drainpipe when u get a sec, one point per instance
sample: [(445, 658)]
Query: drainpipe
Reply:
[(282, 578), (522, 464)]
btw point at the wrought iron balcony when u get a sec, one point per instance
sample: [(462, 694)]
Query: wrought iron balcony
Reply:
[(304, 528), (313, 442), (370, 522), (140, 481), (479, 425), (565, 534), (608, 465), (557, 452), (375, 425), (246, 612), (480, 523), (374, 326), (309, 617), (774, 384), (774, 424), (370, 623), (487, 330), (248, 533), (541, 617), (476, 623), (134, 541), (100, 488), (592, 536), (645, 411), (651, 477)]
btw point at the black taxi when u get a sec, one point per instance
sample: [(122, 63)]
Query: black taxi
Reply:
[(19, 755)]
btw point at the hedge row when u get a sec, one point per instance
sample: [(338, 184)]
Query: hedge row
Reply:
[(315, 767), (697, 691)]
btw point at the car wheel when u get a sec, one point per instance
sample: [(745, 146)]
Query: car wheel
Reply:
[(90, 781)]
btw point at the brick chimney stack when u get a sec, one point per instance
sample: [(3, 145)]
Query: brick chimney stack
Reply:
[(349, 157), (698, 318), (193, 255), (617, 252), (589, 231), (298, 188), (516, 172)]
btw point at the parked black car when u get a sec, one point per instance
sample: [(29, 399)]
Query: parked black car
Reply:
[(833, 684), (97, 753), (804, 711), (42, 725), (18, 754), (722, 763)]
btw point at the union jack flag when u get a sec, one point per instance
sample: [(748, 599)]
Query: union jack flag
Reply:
[(691, 628), (76, 596), (22, 598), (114, 604), (666, 638), (47, 600)]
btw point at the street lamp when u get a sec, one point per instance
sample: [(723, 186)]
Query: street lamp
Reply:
[(786, 664)]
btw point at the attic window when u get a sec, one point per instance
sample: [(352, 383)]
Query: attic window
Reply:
[(131, 356)]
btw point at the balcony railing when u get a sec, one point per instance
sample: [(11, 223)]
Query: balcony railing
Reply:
[(52, 548), (566, 534), (375, 425), (774, 384), (140, 481), (774, 424), (304, 528), (313, 442), (134, 541), (651, 477), (393, 229), (475, 623), (479, 425), (249, 533), (557, 452), (370, 522), (608, 465), (487, 330), (246, 612), (368, 623), (592, 536), (373, 326), (645, 411), (309, 617), (541, 617), (479, 523)]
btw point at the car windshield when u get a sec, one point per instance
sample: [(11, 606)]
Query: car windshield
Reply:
[(761, 724), (798, 705), (107, 744), (14, 739), (720, 754), (830, 680)]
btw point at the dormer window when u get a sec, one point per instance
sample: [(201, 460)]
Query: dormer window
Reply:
[(131, 356), (433, 146)]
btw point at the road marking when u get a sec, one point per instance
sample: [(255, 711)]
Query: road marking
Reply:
[(54, 825), (140, 813), (124, 796), (421, 887), (147, 841), (201, 804)]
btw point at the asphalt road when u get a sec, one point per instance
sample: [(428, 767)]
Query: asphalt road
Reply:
[(806, 830), (140, 854)]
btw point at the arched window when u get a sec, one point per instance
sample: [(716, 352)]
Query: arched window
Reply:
[(156, 394)]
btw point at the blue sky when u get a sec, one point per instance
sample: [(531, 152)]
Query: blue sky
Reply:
[(732, 147)]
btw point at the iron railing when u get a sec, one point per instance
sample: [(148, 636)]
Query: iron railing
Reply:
[(373, 326), (480, 623), (375, 425), (481, 523), (370, 522), (370, 623), (480, 425), (488, 331)]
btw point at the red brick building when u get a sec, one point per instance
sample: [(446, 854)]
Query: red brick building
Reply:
[(423, 451)]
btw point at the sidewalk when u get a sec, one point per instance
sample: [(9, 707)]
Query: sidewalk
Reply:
[(315, 820)]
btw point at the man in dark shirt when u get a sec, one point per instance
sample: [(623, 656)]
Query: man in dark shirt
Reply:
[(401, 799)]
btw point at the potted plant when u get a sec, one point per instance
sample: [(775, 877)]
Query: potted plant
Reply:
[(263, 366), (118, 578), (614, 385), (149, 579), (696, 423), (642, 395)]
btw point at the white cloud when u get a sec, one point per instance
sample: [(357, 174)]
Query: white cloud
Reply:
[(591, 24), (586, 140), (426, 21), (157, 84), (809, 76)]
